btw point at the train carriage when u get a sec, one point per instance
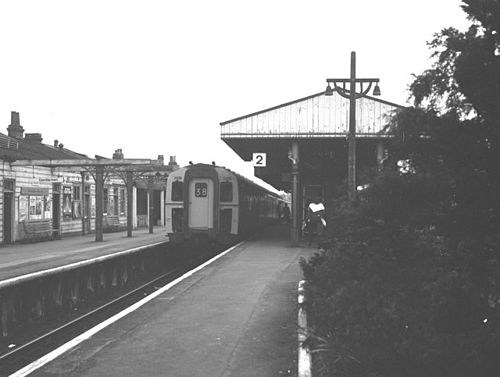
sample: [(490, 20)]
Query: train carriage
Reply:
[(213, 202)]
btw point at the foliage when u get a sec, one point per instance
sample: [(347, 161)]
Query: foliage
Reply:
[(394, 297), (410, 282), (466, 66)]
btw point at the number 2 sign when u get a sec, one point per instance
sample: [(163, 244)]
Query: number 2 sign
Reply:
[(259, 160)]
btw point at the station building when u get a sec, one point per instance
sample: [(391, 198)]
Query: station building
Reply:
[(306, 148), (41, 202)]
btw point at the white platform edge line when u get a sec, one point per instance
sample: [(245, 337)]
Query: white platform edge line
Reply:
[(30, 368), (304, 356)]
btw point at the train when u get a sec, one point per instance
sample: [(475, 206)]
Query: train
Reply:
[(205, 201)]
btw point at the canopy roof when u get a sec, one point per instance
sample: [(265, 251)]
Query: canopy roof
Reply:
[(320, 123)]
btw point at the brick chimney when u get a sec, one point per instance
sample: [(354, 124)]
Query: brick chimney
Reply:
[(172, 162), (118, 155), (15, 129), (33, 138)]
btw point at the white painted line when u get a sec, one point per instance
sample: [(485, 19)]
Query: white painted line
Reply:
[(28, 369), (39, 274), (304, 356)]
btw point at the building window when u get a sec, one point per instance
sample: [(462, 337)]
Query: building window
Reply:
[(8, 185), (77, 202), (36, 207), (76, 193), (122, 201)]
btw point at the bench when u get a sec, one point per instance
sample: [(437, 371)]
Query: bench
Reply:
[(38, 230)]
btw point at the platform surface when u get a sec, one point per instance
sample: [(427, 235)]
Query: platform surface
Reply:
[(21, 259), (235, 317)]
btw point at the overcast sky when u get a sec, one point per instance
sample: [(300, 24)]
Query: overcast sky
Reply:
[(157, 77)]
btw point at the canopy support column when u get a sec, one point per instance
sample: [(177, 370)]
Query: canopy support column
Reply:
[(294, 231), (99, 201), (130, 200), (380, 154)]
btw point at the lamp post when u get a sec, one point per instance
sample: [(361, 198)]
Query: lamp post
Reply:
[(352, 96)]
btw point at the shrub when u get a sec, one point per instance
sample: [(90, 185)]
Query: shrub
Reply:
[(392, 296)]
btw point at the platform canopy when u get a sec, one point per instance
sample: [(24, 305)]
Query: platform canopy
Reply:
[(99, 168), (319, 123)]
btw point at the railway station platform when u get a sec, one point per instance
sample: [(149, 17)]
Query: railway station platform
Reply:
[(22, 259), (237, 316)]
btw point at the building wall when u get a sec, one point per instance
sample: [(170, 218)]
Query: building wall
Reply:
[(1, 208), (32, 215), (32, 212), (32, 204)]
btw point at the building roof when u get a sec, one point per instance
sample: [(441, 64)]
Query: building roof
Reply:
[(12, 149), (317, 116), (321, 124)]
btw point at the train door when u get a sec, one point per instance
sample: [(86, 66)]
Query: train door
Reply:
[(201, 204)]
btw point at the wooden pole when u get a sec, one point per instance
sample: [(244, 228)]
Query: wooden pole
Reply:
[(151, 205), (130, 200), (99, 201), (295, 194), (82, 203), (351, 146)]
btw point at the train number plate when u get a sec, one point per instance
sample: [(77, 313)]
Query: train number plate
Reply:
[(200, 190)]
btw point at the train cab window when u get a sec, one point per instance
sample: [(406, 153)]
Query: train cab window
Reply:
[(177, 191), (226, 192)]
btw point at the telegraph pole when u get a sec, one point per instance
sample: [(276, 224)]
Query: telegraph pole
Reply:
[(352, 96)]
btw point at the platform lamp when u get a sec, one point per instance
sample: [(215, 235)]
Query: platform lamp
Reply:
[(352, 96)]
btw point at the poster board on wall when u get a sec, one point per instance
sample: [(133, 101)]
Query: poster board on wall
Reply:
[(23, 208)]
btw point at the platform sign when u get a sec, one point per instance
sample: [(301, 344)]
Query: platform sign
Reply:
[(51, 180), (259, 160)]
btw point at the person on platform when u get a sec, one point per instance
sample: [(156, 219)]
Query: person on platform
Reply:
[(286, 214), (315, 223)]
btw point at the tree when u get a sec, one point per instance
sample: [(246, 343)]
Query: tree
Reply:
[(410, 283), (466, 67)]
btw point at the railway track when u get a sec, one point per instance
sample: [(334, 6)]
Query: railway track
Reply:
[(32, 350)]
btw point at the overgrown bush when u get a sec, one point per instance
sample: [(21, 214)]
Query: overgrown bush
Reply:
[(410, 282), (391, 296)]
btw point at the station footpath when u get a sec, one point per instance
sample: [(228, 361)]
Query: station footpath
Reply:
[(22, 259), (235, 317)]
